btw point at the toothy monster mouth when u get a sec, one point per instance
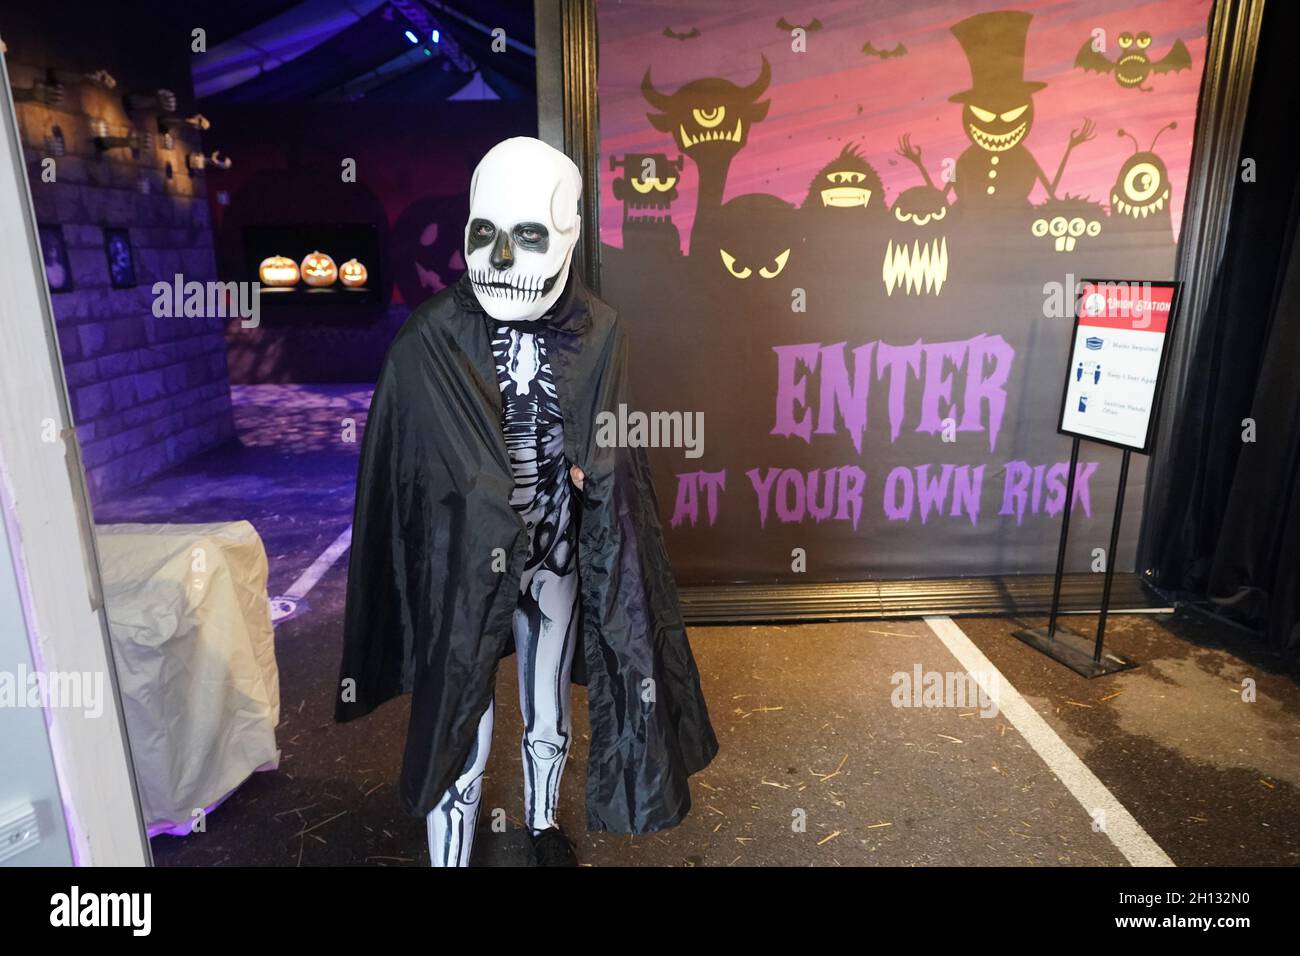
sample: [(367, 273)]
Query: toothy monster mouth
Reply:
[(846, 196), (1138, 211), (920, 268), (502, 285), (709, 136), (1131, 63), (640, 216), (995, 143)]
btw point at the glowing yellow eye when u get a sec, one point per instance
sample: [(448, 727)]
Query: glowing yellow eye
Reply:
[(729, 261), (1125, 40), (1143, 40), (857, 177), (984, 116), (663, 185), (900, 215), (1014, 114), (710, 118), (777, 265), (644, 185)]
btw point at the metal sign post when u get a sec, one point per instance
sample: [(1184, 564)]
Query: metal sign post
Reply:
[(1061, 644), (1112, 385)]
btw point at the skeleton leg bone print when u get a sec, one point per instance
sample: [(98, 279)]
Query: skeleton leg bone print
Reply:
[(545, 619)]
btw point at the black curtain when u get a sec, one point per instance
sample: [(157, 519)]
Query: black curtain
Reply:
[(1225, 525)]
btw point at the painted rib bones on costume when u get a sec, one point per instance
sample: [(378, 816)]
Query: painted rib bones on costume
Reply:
[(519, 241)]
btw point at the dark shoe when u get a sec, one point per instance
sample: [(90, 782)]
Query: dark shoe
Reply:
[(552, 848)]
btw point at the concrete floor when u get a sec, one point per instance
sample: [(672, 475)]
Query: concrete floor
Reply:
[(817, 765)]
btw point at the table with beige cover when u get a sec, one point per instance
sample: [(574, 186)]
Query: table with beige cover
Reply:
[(191, 630)]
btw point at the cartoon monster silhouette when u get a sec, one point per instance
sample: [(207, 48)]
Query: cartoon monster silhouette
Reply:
[(844, 222), (1140, 217), (997, 172), (747, 258), (647, 189), (1134, 66), (710, 120), (916, 255), (1062, 224), (751, 240), (847, 182)]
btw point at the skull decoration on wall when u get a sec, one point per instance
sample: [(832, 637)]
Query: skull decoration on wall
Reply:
[(523, 226), (319, 270), (278, 271), (353, 274)]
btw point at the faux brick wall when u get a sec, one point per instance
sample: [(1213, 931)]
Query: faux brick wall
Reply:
[(147, 393)]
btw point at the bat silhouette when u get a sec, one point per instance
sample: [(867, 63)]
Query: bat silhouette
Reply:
[(812, 26), (870, 50), (691, 35), (1134, 66)]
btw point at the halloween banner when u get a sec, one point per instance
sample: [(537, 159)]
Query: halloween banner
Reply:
[(846, 239)]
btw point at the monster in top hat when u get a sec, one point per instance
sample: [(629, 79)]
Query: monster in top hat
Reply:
[(997, 171)]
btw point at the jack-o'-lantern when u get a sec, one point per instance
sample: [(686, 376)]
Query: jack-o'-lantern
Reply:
[(278, 271), (353, 274), (319, 270)]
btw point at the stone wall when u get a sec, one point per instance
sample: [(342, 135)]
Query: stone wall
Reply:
[(147, 393)]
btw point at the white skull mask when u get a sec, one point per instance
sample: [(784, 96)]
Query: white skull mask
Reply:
[(523, 225)]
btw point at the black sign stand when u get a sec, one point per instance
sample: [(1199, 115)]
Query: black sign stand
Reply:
[(1060, 643)]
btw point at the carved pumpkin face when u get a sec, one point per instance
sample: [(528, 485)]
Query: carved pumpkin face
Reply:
[(353, 274), (278, 271), (318, 269)]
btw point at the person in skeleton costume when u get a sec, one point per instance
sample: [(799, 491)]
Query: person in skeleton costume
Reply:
[(489, 518)]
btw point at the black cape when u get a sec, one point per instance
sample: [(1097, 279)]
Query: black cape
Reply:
[(428, 608)]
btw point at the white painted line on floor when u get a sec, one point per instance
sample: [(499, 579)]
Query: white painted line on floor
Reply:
[(1099, 803), (309, 578)]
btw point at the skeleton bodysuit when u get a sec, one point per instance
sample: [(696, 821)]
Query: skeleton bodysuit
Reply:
[(546, 615), (518, 246)]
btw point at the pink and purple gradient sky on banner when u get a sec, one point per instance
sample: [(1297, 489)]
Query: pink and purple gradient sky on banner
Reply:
[(833, 93)]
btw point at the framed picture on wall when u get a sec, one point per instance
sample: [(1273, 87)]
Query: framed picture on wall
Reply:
[(121, 262), (894, 411), (58, 271)]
